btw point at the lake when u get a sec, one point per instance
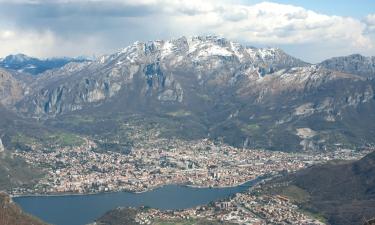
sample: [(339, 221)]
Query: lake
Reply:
[(83, 209)]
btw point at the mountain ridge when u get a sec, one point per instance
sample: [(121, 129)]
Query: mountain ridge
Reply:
[(34, 66), (226, 91), (343, 192), (355, 64)]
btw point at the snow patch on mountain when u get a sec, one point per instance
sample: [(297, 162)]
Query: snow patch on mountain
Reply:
[(1, 146)]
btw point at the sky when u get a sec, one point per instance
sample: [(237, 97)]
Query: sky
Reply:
[(312, 30)]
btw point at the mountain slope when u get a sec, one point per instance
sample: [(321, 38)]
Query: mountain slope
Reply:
[(16, 173), (16, 132), (343, 192), (155, 64), (354, 64), (210, 87), (11, 214), (11, 88)]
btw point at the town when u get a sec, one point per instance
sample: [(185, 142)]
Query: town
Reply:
[(201, 163), (242, 208)]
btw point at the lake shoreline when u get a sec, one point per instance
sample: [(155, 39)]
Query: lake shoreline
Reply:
[(63, 194), (84, 208)]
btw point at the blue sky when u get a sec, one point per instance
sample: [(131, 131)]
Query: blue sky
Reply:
[(352, 8), (311, 30)]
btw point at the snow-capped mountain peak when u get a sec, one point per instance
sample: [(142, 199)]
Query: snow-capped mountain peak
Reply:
[(17, 58), (200, 49), (26, 64)]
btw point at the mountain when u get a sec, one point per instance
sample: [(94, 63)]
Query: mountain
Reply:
[(342, 192), (354, 64), (11, 214), (34, 66), (158, 64), (208, 87), (16, 173), (17, 133), (11, 88), (119, 216)]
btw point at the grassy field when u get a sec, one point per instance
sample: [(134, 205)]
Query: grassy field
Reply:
[(64, 139), (44, 140), (295, 193)]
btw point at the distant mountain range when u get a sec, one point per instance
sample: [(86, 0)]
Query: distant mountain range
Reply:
[(34, 66), (205, 87)]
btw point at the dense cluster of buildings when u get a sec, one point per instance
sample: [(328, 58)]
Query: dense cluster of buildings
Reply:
[(82, 169), (158, 161), (243, 208)]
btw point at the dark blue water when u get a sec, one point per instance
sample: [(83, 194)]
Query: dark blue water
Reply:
[(83, 209)]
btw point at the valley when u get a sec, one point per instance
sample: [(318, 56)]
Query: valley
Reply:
[(199, 112), (187, 112), (161, 162), (203, 87)]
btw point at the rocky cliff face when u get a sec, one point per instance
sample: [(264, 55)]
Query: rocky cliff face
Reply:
[(223, 90), (155, 68), (354, 64), (10, 213), (11, 89)]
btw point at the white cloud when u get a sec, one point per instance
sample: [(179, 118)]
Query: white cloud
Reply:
[(370, 22), (265, 23), (44, 44), (13, 41), (272, 23), (6, 34)]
